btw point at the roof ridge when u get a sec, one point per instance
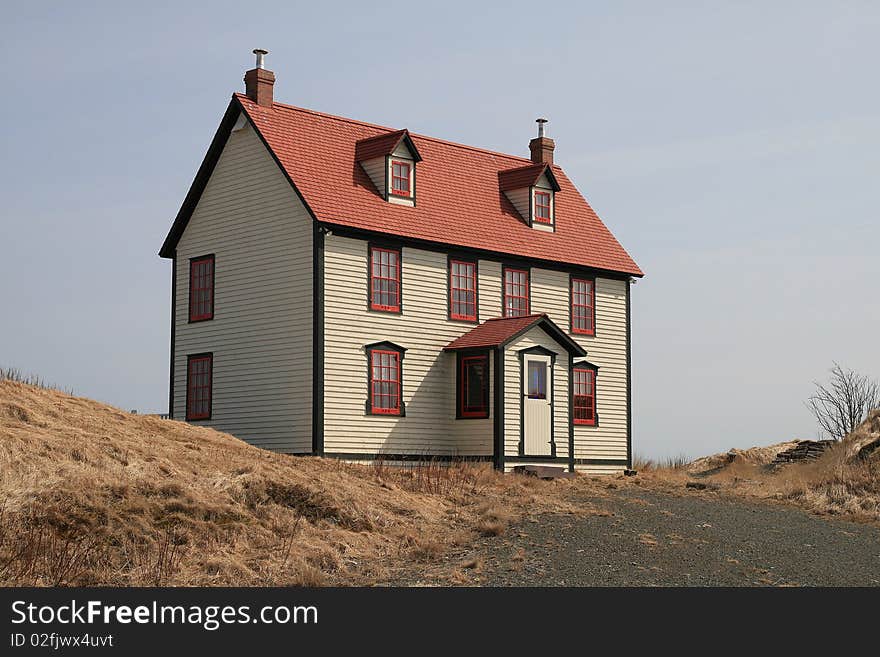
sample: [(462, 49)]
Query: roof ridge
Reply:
[(366, 124), (384, 136), (495, 319), (533, 165)]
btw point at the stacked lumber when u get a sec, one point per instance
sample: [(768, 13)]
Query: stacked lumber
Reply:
[(805, 450)]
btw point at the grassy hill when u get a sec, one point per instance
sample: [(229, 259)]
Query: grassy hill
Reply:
[(92, 495), (844, 481)]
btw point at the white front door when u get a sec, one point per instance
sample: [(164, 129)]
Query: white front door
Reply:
[(537, 405)]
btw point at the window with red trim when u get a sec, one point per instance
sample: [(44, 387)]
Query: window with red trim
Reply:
[(199, 375), (385, 279), (400, 178), (582, 306), (201, 288), (473, 387), (384, 382), (516, 292), (584, 407), (542, 208), (463, 290)]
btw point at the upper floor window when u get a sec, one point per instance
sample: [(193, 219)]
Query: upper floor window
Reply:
[(473, 386), (400, 178), (199, 384), (582, 306), (542, 208), (516, 292), (384, 279), (201, 288), (463, 290), (584, 407)]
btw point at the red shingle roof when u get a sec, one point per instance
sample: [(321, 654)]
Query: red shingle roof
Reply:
[(522, 176), (459, 201), (493, 332), (499, 330), (367, 149)]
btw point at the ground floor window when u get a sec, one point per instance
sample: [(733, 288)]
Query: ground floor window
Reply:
[(384, 364), (584, 407), (199, 381), (473, 386)]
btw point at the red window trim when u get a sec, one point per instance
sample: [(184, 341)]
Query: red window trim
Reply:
[(373, 381), (463, 410), (407, 178), (591, 330), (372, 278), (195, 285), (190, 388), (453, 289), (506, 296), (548, 220), (590, 422)]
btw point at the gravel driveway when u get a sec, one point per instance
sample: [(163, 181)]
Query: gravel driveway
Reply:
[(651, 538)]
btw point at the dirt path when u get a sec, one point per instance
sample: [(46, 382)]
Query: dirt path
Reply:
[(650, 538)]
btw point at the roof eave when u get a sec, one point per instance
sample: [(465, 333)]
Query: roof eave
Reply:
[(169, 246)]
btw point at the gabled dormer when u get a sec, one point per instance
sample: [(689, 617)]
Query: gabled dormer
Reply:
[(532, 188), (532, 191), (390, 162)]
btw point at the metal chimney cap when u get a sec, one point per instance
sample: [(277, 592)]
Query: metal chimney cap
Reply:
[(540, 121), (260, 53)]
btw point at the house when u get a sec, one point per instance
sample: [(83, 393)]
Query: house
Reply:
[(349, 290)]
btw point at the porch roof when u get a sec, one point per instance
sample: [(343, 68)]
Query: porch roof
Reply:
[(500, 331)]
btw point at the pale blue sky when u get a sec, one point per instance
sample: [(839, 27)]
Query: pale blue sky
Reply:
[(733, 149)]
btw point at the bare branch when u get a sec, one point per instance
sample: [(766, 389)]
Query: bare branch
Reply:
[(844, 403)]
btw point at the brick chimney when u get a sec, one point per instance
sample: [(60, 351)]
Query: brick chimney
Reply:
[(258, 82), (542, 147)]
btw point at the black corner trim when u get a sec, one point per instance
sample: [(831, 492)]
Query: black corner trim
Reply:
[(571, 413), (318, 234), (629, 455), (173, 334), (498, 426)]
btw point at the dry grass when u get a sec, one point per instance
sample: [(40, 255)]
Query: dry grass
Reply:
[(92, 495), (837, 483), (643, 464)]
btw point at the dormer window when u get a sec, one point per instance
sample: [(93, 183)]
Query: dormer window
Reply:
[(531, 191), (400, 178), (390, 160)]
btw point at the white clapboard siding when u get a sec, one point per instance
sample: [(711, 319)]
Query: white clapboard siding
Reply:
[(521, 201), (261, 334), (513, 391), (429, 381), (375, 169), (607, 349)]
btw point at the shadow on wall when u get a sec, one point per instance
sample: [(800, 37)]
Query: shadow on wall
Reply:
[(429, 426)]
